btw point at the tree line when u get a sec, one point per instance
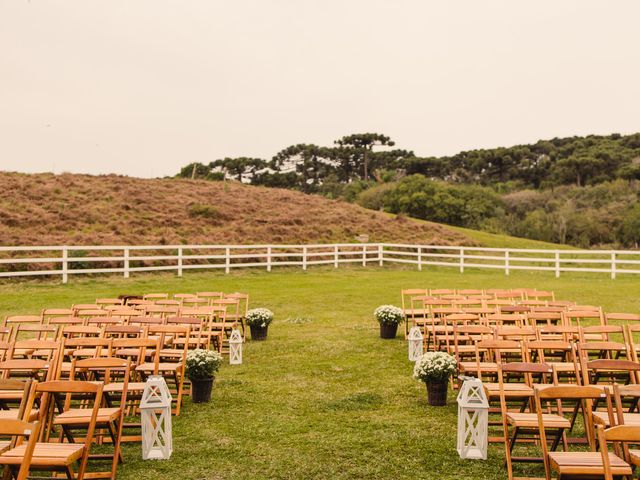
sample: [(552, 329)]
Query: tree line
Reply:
[(576, 190)]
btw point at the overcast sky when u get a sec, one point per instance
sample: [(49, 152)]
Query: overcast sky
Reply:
[(144, 87)]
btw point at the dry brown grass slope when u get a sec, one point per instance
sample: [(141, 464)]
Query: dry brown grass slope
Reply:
[(47, 209)]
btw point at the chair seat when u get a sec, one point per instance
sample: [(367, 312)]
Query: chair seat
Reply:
[(586, 463), (634, 456), (162, 367), (530, 420), (82, 416), (4, 445), (602, 418), (45, 454)]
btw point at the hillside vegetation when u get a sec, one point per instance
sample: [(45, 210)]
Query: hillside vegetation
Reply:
[(47, 209), (580, 191)]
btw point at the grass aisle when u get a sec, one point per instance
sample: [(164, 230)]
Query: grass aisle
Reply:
[(324, 397)]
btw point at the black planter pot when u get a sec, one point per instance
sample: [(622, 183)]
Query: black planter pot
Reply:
[(388, 331), (258, 332), (437, 393), (201, 390)]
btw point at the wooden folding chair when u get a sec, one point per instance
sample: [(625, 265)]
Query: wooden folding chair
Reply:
[(523, 420), (571, 462), (49, 314), (197, 326), (612, 463), (622, 414), (210, 296), (103, 302), (465, 338), (57, 397), (114, 372), (559, 354), (15, 454), (168, 362)]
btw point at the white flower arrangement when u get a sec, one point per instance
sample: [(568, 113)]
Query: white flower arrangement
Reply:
[(202, 363), (435, 367), (259, 317), (389, 315)]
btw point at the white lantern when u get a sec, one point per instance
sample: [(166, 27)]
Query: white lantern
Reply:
[(473, 419), (235, 347), (155, 410), (416, 344)]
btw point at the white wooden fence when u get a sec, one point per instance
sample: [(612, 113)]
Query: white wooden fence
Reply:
[(71, 260)]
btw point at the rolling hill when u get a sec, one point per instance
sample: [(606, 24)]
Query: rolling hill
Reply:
[(48, 209)]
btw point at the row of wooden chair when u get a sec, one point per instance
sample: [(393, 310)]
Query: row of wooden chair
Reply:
[(545, 414), (62, 420)]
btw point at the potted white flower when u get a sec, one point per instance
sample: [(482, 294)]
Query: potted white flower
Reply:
[(389, 317), (258, 320), (435, 370), (201, 367)]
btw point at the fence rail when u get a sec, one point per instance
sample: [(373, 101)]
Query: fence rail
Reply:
[(76, 260)]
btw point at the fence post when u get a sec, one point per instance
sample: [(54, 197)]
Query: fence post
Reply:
[(380, 255), (506, 262), (304, 258), (461, 260), (335, 256), (65, 264), (364, 255), (557, 264), (613, 265), (227, 259), (420, 258), (179, 261), (268, 259), (126, 263)]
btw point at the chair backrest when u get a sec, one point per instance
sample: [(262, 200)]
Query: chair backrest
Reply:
[(158, 311), (498, 351), (470, 291), (37, 331), (580, 317), (106, 370), (210, 295), (135, 349), (11, 320), (583, 395), (50, 313), (501, 319), (619, 434), (610, 370), (155, 296), (109, 301), (539, 294), (72, 331), (439, 292), (123, 331), (536, 318)]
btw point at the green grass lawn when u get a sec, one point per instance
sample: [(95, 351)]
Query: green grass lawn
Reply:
[(324, 397)]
